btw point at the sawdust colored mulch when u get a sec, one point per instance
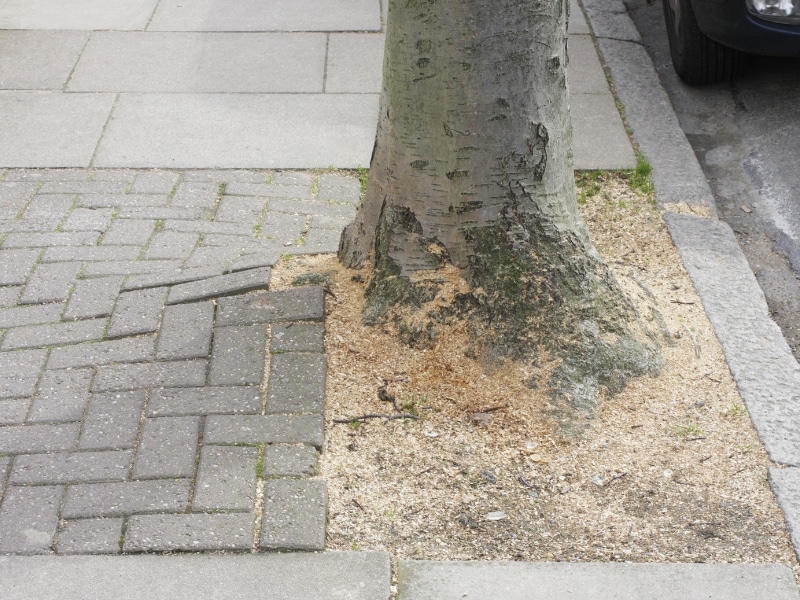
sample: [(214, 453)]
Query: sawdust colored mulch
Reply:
[(671, 469)]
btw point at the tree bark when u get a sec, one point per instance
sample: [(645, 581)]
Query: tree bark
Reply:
[(472, 169)]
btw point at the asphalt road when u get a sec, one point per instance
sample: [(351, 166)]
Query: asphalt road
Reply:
[(746, 135)]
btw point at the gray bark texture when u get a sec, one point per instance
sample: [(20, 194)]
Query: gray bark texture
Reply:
[(472, 167)]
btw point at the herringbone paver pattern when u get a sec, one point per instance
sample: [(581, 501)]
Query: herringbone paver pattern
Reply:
[(136, 413)]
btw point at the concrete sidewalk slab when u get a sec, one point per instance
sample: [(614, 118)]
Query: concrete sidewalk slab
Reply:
[(585, 72), (276, 15), (599, 140), (328, 576), (38, 60), (229, 131), (115, 61), (51, 129), (355, 63), (76, 14), (593, 581)]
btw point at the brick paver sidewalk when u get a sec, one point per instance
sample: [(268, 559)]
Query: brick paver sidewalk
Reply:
[(135, 410)]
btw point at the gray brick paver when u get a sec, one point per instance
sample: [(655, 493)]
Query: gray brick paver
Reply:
[(50, 283), (223, 285), (90, 536), (122, 200), (62, 396), (171, 244), (71, 332), (137, 312), (170, 277), (15, 265), (112, 421), (226, 175), (35, 314), (219, 256), (29, 518), (268, 258), (154, 182), (120, 175), (20, 371), (243, 239), (134, 376), (297, 337), (12, 412), (128, 349), (295, 513), (264, 429), (13, 189), (91, 253), (338, 188), (304, 207), (49, 208), (296, 383), (45, 240), (125, 498), (210, 227), (303, 178), (88, 219), (159, 213), (186, 331), (9, 295), (322, 240), (191, 194), (134, 232), (290, 460), (240, 209), (189, 532), (5, 461), (283, 227), (26, 225), (93, 298), (70, 467), (238, 354), (26, 439), (128, 267), (168, 448), (226, 479), (208, 400), (83, 187), (299, 304), (36, 175), (323, 222), (265, 190)]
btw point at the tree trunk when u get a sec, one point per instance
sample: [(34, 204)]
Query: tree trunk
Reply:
[(472, 170)]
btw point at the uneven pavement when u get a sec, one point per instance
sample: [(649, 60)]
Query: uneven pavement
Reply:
[(145, 404), (155, 395)]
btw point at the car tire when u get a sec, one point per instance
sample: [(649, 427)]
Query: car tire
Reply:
[(698, 60)]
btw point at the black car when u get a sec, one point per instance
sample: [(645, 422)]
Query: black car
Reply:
[(709, 39)]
